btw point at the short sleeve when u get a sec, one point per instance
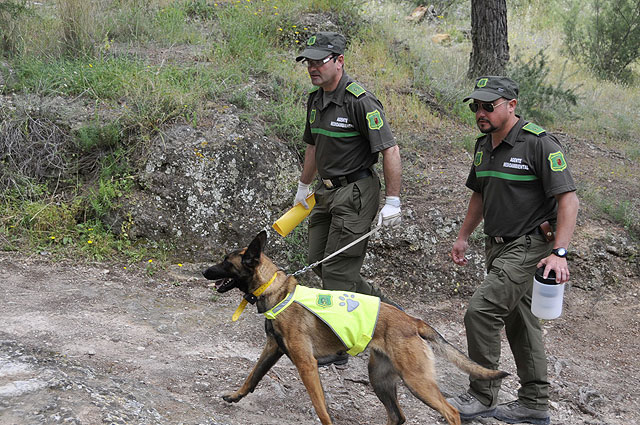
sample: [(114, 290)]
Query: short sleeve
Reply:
[(552, 167), (371, 122)]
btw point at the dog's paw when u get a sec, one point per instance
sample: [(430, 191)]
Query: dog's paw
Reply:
[(230, 398)]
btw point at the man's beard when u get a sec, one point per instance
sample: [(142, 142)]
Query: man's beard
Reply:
[(491, 128)]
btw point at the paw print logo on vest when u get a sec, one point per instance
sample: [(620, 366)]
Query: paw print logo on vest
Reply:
[(348, 300)]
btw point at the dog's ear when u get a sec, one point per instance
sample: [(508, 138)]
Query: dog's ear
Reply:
[(251, 257)]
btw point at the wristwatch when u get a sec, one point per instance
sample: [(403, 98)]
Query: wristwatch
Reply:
[(560, 252)]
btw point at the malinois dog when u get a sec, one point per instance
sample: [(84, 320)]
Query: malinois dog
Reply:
[(401, 347)]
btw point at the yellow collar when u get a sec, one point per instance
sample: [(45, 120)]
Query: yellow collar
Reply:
[(255, 294)]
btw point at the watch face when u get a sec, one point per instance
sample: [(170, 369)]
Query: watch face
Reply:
[(560, 252)]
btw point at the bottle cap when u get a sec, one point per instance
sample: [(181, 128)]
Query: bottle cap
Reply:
[(550, 280)]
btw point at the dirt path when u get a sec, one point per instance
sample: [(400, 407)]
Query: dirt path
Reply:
[(100, 344)]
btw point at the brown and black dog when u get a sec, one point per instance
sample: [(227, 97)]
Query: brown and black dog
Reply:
[(401, 347)]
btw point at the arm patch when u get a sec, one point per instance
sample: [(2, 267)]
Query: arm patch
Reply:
[(533, 128), (355, 89)]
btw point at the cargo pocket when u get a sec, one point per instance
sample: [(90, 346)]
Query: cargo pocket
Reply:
[(348, 230), (505, 284)]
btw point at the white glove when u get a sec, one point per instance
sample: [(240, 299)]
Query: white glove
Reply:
[(390, 213), (301, 195)]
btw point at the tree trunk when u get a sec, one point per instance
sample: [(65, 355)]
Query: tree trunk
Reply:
[(490, 53)]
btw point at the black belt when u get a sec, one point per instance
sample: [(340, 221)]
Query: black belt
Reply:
[(507, 239), (334, 182)]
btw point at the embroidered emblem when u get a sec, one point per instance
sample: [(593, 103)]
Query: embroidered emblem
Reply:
[(374, 120), (355, 89), (311, 41), (482, 82), (324, 300), (348, 300), (533, 128), (478, 159), (312, 116), (557, 161)]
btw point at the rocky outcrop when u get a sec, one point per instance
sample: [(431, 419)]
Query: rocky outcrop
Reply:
[(212, 188)]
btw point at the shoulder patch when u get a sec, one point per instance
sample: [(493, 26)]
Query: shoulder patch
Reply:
[(557, 161), (533, 128), (355, 89), (374, 120)]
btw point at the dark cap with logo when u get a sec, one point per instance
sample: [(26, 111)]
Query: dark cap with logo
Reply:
[(322, 44), (490, 88)]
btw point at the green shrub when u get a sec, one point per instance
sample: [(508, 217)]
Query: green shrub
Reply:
[(538, 100), (95, 136), (200, 9), (605, 35)]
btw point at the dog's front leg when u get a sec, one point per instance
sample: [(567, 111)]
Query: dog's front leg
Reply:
[(307, 367), (270, 355)]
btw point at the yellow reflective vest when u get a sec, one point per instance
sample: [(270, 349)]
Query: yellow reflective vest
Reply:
[(350, 315)]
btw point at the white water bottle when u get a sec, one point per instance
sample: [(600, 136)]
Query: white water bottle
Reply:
[(546, 300)]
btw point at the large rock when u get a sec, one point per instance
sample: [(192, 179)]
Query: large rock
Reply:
[(213, 188)]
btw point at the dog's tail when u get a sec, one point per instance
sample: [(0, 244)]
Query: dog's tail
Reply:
[(444, 349)]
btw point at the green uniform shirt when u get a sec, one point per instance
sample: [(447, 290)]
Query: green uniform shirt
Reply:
[(518, 180), (348, 128)]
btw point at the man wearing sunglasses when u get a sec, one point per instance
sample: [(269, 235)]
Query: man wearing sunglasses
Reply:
[(345, 131), (522, 189)]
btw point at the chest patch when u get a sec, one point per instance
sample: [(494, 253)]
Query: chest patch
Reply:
[(341, 122), (478, 159), (515, 163)]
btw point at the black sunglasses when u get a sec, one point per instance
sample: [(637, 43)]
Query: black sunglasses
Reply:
[(489, 107)]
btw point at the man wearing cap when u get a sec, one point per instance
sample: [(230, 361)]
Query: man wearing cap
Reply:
[(345, 131), (521, 185)]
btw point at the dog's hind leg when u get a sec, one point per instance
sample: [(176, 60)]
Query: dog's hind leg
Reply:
[(384, 381), (417, 372), (270, 355)]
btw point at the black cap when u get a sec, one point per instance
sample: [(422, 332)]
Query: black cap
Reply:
[(551, 277), (322, 44), (490, 88)]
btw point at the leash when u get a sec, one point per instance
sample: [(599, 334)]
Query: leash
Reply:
[(310, 266), (253, 297)]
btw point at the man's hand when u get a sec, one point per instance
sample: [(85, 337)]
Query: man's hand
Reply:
[(558, 265), (457, 252), (390, 214), (301, 195)]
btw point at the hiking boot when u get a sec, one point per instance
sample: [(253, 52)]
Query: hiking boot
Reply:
[(339, 359), (470, 407), (515, 412)]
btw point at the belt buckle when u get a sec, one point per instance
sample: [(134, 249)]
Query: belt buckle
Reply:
[(327, 183), (498, 239)]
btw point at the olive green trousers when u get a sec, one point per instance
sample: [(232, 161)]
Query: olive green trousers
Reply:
[(340, 216), (504, 300)]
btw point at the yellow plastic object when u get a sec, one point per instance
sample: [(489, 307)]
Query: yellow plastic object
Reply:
[(285, 224)]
